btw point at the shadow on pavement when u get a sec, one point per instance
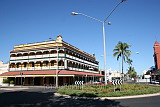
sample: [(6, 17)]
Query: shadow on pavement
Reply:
[(39, 99)]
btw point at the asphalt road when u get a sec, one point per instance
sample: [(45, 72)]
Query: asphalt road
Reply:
[(44, 97), (141, 102)]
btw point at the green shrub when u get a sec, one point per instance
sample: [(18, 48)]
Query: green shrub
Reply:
[(11, 82), (5, 81)]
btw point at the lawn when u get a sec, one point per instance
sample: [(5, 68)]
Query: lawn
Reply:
[(101, 90)]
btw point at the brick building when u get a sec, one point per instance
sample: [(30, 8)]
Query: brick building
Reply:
[(157, 55), (155, 73)]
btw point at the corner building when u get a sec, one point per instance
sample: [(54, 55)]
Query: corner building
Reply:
[(157, 55), (155, 75), (37, 64)]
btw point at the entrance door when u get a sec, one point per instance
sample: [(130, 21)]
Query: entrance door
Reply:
[(60, 81), (37, 81)]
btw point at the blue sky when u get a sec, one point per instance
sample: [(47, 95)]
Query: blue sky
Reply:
[(135, 22)]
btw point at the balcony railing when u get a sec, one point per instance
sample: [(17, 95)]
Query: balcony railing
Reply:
[(78, 59), (36, 68), (38, 56), (50, 67)]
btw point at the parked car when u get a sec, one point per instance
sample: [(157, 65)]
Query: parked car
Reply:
[(96, 82), (155, 81), (152, 81), (99, 82)]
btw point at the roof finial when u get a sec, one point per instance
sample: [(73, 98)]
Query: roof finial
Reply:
[(59, 38)]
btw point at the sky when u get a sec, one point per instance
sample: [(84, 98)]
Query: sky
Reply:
[(134, 22)]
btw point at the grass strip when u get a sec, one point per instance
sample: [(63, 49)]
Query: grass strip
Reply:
[(108, 91)]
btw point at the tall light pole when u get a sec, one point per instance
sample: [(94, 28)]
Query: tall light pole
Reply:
[(57, 65), (104, 35), (21, 79)]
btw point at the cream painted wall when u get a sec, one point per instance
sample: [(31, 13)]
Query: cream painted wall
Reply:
[(3, 68), (113, 74)]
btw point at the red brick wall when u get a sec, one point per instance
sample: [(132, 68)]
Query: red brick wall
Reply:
[(157, 54)]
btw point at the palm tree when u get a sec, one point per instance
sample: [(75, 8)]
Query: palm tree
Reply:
[(131, 72), (129, 61), (121, 50)]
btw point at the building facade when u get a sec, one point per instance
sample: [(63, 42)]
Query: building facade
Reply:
[(113, 74), (40, 63), (157, 55), (155, 72), (3, 69)]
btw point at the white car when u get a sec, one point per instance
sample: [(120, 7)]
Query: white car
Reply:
[(155, 81)]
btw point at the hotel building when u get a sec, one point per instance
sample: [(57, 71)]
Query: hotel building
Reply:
[(39, 63)]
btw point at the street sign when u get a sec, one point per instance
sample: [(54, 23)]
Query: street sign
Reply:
[(117, 82), (79, 82)]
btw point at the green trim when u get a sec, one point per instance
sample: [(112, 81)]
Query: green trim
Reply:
[(56, 57), (65, 52), (79, 61)]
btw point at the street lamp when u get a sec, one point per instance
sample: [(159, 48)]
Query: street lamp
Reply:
[(21, 79), (104, 35), (57, 65)]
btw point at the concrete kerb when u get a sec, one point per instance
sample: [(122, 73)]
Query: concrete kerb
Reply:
[(22, 86), (13, 88), (103, 98), (123, 97)]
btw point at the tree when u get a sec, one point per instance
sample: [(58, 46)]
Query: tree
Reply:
[(121, 50), (129, 61), (131, 72)]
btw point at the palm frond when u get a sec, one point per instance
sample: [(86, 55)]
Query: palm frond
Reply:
[(121, 50)]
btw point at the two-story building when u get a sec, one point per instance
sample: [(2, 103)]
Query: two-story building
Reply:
[(41, 62)]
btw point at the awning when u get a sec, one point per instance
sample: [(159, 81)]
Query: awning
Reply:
[(48, 73)]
